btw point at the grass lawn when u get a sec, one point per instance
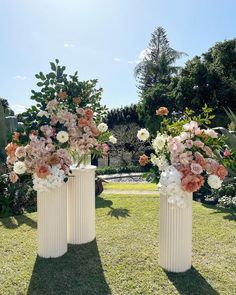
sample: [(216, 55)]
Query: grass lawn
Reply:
[(130, 186), (124, 258)]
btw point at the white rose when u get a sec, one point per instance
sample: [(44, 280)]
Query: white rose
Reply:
[(143, 134), (214, 181), (112, 139), (62, 136), (19, 167), (159, 142), (43, 113), (161, 162), (102, 127)]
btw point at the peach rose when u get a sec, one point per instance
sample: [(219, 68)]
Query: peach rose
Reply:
[(11, 149), (42, 171), (184, 170), (192, 183), (143, 160), (83, 122), (89, 113), (196, 168), (95, 131), (54, 159), (16, 136), (162, 111), (13, 177), (62, 95), (221, 171), (76, 100), (200, 159)]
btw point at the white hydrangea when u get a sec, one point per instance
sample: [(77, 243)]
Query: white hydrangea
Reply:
[(54, 180), (214, 181), (62, 136), (43, 113), (161, 162), (170, 175), (102, 127), (143, 134), (159, 142), (19, 167), (112, 139)]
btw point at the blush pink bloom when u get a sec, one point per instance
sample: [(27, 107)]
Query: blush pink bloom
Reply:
[(211, 166), (184, 170), (200, 159), (211, 133), (11, 160), (189, 143), (13, 177), (48, 131), (208, 151), (20, 152), (80, 111), (186, 158), (52, 104), (175, 146), (42, 171), (198, 131), (227, 153), (196, 168), (185, 135), (88, 113), (192, 183), (105, 148), (198, 143)]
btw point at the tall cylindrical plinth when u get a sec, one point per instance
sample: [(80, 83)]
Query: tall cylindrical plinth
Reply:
[(81, 205), (175, 235), (52, 222)]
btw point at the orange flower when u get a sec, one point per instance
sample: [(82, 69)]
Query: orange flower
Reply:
[(54, 159), (76, 100), (192, 183), (42, 171), (162, 111), (95, 131), (16, 136), (221, 171), (10, 149), (62, 95), (143, 160), (83, 122)]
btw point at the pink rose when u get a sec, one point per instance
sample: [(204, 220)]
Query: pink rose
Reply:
[(20, 152), (189, 144), (211, 133), (196, 168), (192, 183), (198, 143), (227, 153)]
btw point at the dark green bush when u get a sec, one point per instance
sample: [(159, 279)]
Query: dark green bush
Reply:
[(16, 198)]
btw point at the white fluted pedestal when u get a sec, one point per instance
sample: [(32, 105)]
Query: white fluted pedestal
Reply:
[(81, 206), (52, 222), (175, 235)]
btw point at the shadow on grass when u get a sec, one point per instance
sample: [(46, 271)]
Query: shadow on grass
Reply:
[(79, 271), (13, 222), (118, 212), (191, 282), (102, 203), (229, 214)]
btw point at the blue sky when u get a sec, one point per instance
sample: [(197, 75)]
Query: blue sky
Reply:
[(101, 39)]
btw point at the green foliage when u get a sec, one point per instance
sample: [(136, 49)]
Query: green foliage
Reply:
[(7, 110), (123, 115), (15, 198), (3, 131), (209, 79), (122, 169), (56, 81)]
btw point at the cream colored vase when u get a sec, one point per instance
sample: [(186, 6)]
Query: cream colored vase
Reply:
[(52, 222), (81, 205), (175, 235)]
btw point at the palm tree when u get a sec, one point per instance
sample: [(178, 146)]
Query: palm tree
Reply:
[(158, 61)]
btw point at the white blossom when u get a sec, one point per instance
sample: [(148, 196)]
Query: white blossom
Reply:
[(112, 139), (19, 167), (102, 127), (214, 181), (143, 134), (62, 136)]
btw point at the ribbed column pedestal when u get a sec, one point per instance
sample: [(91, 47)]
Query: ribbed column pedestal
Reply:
[(81, 205), (52, 222), (175, 235)]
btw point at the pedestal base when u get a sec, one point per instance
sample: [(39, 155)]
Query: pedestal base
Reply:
[(175, 235), (81, 205), (52, 222)]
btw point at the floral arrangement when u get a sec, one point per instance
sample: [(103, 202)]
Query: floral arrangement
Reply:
[(48, 153), (184, 155)]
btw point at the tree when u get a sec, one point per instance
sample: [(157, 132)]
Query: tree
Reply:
[(70, 87), (158, 63), (7, 110)]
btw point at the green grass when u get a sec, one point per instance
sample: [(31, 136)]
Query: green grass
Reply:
[(130, 186), (124, 258)]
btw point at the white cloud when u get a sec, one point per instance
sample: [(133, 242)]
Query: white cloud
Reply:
[(20, 77), (69, 45), (17, 108), (117, 59)]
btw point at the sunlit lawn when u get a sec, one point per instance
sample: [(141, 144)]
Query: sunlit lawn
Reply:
[(124, 257)]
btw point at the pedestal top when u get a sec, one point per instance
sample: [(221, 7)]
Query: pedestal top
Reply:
[(83, 169)]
